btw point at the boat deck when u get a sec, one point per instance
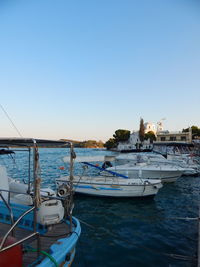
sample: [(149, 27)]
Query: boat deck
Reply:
[(54, 233)]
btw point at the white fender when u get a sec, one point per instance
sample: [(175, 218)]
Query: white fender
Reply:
[(22, 199), (17, 186), (4, 182)]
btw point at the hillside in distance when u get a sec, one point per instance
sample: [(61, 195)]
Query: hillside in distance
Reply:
[(86, 144)]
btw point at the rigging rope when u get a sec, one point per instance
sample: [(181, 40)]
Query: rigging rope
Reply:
[(5, 112)]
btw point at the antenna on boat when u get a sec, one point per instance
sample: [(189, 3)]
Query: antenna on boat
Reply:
[(5, 112)]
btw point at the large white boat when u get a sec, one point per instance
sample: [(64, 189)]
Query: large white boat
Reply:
[(144, 170), (187, 163)]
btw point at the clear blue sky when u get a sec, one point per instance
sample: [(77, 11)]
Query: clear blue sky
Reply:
[(85, 68)]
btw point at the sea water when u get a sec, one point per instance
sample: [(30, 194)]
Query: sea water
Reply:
[(161, 231)]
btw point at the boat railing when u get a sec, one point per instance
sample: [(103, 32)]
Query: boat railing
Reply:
[(31, 194), (14, 225), (24, 216), (12, 228)]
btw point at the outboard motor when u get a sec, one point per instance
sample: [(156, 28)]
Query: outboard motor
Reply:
[(63, 190)]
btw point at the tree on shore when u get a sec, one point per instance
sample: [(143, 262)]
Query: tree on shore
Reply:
[(150, 135), (141, 130), (121, 135), (195, 131), (110, 143)]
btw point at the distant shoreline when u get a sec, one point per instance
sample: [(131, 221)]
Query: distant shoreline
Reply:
[(86, 144)]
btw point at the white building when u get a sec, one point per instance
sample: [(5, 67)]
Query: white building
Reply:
[(166, 136), (134, 140), (133, 143), (161, 136), (150, 127)]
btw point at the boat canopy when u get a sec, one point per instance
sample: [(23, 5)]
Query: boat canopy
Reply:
[(30, 142)]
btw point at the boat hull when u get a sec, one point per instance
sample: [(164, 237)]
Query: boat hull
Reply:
[(121, 192), (63, 251), (164, 176)]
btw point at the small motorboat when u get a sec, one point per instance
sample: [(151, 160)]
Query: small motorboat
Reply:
[(111, 185)]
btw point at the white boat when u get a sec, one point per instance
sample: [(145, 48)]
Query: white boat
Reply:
[(189, 163), (114, 185), (144, 170), (151, 165), (182, 155)]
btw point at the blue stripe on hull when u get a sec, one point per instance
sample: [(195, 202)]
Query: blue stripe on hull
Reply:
[(95, 188)]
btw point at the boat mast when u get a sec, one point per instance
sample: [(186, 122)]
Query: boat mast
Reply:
[(36, 191)]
